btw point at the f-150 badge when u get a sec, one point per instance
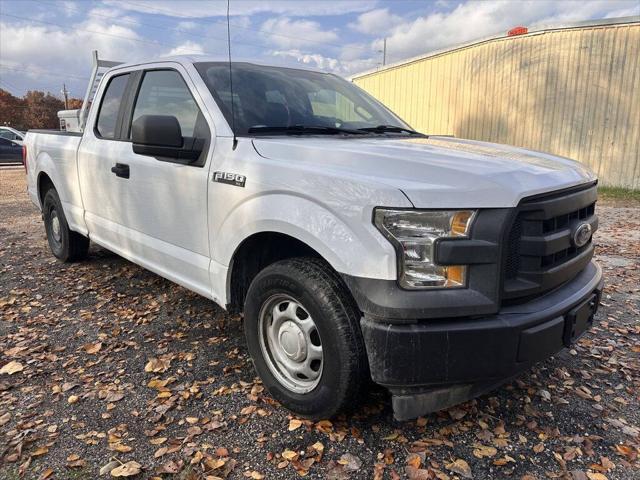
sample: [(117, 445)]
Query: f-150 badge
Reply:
[(229, 178)]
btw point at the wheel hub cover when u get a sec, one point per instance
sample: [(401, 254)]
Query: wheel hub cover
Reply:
[(55, 227), (292, 341)]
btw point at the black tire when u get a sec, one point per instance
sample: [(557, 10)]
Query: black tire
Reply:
[(321, 292), (65, 244)]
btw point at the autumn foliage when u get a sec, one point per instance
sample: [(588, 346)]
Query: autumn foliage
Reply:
[(35, 110)]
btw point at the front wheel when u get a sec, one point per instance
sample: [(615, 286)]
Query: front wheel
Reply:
[(303, 335), (65, 244)]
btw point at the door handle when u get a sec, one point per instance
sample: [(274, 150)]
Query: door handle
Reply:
[(121, 170)]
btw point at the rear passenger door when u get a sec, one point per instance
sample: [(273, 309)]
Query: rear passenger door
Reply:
[(158, 205)]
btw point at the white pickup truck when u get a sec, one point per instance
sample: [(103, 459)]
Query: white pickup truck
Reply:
[(355, 247)]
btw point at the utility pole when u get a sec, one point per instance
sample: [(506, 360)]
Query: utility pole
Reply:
[(66, 96), (384, 52)]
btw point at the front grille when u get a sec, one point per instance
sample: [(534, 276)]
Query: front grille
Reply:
[(513, 257), (540, 252)]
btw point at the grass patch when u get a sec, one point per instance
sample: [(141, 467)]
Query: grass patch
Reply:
[(619, 193)]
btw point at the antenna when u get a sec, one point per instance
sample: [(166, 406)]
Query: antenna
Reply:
[(233, 110)]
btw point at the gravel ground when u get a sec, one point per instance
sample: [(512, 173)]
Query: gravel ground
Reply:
[(111, 363)]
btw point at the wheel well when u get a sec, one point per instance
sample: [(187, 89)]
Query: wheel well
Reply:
[(254, 254), (44, 183)]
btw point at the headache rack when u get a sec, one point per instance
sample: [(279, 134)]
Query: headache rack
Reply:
[(75, 120), (540, 252)]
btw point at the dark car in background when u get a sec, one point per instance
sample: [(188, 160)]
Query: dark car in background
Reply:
[(12, 134), (10, 151)]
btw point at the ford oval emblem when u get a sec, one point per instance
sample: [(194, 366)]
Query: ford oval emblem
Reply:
[(581, 235)]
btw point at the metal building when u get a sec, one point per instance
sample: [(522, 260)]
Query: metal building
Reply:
[(572, 91)]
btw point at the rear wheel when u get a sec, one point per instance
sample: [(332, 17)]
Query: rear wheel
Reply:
[(303, 335), (65, 244)]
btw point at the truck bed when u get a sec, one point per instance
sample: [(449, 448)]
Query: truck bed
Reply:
[(55, 152)]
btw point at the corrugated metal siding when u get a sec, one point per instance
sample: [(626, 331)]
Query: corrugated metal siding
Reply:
[(572, 92)]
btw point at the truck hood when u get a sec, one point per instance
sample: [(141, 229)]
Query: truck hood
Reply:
[(434, 172)]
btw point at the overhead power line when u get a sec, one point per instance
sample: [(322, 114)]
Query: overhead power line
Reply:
[(207, 24), (10, 88), (133, 22), (237, 25), (19, 92), (41, 71), (139, 40)]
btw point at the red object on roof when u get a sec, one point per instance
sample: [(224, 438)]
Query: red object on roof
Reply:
[(517, 31)]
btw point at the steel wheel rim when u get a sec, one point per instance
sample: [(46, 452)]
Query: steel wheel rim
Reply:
[(55, 227), (290, 343)]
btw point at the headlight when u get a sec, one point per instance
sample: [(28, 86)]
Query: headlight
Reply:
[(414, 233)]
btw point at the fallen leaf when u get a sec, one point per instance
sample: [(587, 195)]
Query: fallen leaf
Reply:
[(414, 460), (596, 476), (289, 455), (350, 462), (12, 367), (294, 424), (482, 451), (503, 461), (74, 461), (92, 348), (114, 397), (160, 452), (4, 418), (108, 467), (120, 447), (457, 413), (460, 467), (128, 469), (157, 365), (627, 451), (46, 474), (170, 467), (414, 473), (222, 452), (40, 451)]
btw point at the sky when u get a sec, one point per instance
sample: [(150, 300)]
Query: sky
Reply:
[(45, 43)]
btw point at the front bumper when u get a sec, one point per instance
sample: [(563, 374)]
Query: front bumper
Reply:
[(434, 364)]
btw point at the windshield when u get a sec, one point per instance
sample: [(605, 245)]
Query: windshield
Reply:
[(269, 99)]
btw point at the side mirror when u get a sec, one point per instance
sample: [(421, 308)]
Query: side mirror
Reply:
[(161, 136)]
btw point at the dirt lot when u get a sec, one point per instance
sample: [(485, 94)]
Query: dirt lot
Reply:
[(111, 363)]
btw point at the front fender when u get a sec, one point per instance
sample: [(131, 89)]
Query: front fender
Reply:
[(347, 240)]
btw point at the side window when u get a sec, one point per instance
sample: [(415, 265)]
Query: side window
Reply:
[(110, 106), (163, 92)]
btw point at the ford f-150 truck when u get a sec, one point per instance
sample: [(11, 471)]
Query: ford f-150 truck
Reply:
[(355, 247)]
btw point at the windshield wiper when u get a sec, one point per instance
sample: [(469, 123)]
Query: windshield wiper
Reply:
[(392, 129), (305, 129)]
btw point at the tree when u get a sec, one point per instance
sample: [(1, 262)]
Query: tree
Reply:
[(11, 110), (42, 110), (75, 103), (35, 110)]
